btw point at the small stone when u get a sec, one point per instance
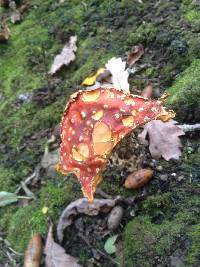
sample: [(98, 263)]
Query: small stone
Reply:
[(115, 217), (180, 178), (25, 97), (163, 177), (159, 168)]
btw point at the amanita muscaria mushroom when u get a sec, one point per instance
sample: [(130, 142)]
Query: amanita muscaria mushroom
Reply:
[(94, 122)]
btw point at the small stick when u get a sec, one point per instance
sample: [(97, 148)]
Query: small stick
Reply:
[(35, 174), (190, 127)]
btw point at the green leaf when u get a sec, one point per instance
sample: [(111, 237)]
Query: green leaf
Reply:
[(109, 246), (7, 198)]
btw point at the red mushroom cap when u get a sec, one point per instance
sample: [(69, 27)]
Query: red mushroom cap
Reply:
[(93, 123)]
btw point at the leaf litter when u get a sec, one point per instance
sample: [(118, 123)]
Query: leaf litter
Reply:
[(56, 255), (66, 56), (82, 206), (164, 139)]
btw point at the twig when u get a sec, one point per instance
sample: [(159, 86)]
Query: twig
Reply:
[(190, 127), (98, 250), (34, 175), (28, 191), (100, 192)]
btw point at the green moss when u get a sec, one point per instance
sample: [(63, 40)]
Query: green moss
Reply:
[(193, 16), (7, 179), (147, 243), (157, 205), (55, 195), (194, 249), (145, 33), (185, 89)]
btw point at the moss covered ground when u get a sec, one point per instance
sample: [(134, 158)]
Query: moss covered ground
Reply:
[(167, 221)]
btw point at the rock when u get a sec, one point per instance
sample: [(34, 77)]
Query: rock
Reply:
[(115, 217), (163, 177), (15, 17), (25, 97), (180, 178)]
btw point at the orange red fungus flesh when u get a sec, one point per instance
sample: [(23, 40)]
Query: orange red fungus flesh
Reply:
[(93, 123)]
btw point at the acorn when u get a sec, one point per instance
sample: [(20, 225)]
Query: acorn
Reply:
[(138, 178), (33, 253)]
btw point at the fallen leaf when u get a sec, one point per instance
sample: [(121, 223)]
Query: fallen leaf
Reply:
[(15, 17), (7, 198), (135, 55), (104, 76), (92, 79), (66, 56), (56, 255), (4, 33), (33, 253), (119, 77), (147, 91), (163, 139), (82, 206), (94, 122), (138, 178), (109, 246)]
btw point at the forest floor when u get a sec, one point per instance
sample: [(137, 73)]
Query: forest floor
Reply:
[(162, 228)]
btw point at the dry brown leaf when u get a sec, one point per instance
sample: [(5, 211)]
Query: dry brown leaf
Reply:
[(56, 255), (4, 33), (138, 178), (104, 77), (15, 17), (33, 253), (147, 91), (135, 55), (82, 206), (66, 56), (163, 139)]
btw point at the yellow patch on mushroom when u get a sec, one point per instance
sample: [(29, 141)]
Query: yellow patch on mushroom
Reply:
[(134, 113), (101, 133), (129, 101), (98, 115), (80, 153), (102, 138), (128, 121), (83, 150), (91, 96), (102, 148)]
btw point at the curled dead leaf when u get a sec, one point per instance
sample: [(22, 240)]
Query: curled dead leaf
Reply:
[(33, 253), (66, 56), (4, 33), (135, 55), (104, 76), (147, 91), (15, 17), (82, 206), (139, 178), (56, 255)]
